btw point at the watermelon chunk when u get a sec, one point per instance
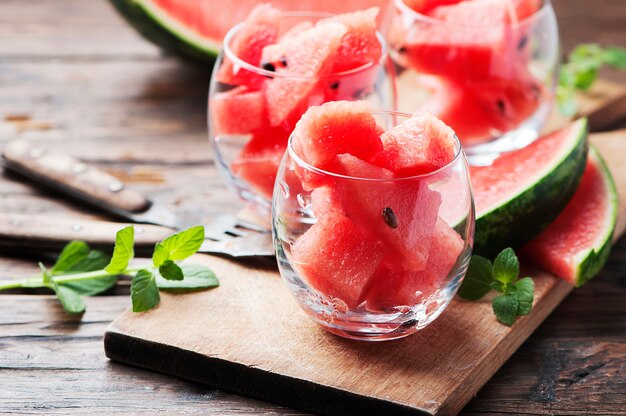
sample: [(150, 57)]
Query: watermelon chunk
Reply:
[(308, 56), (419, 145), (337, 257), (577, 244), (325, 199), (259, 30), (402, 214), (426, 6), (392, 287), (335, 128), (524, 190), (237, 111), (359, 45)]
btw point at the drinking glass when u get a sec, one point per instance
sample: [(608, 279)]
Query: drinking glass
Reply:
[(493, 82), (247, 150), (372, 258)]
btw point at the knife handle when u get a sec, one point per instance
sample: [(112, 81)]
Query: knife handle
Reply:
[(41, 232), (72, 176)]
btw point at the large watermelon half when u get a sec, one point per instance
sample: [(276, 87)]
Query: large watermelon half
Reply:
[(577, 244), (195, 28), (524, 191)]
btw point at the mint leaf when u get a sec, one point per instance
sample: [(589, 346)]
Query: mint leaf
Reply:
[(160, 255), (144, 292), (477, 280), (525, 294), (73, 253), (95, 260), (170, 271), (70, 299), (615, 57), (505, 308), (183, 244), (91, 287), (197, 277), (123, 251), (506, 266)]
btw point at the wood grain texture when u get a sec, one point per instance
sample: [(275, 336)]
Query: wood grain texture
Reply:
[(75, 78), (261, 344)]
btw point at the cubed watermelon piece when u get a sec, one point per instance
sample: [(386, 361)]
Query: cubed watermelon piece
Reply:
[(337, 257), (325, 199), (360, 44), (237, 111), (335, 128), (392, 287), (259, 30), (419, 145), (299, 61), (402, 214), (258, 162)]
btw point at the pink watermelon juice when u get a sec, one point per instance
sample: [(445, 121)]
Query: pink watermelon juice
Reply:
[(373, 218), (273, 67), (490, 65)]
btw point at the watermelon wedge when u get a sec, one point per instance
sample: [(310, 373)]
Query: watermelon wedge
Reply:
[(195, 28), (524, 191), (577, 244)]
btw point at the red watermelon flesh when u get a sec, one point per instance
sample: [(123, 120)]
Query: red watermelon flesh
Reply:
[(576, 245), (335, 128), (426, 6), (359, 45), (419, 145), (258, 162), (297, 29), (337, 257), (259, 30), (413, 205), (392, 287), (324, 200), (237, 111)]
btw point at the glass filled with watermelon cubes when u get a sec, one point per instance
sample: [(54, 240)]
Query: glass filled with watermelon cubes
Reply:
[(373, 219), (274, 66), (488, 68)]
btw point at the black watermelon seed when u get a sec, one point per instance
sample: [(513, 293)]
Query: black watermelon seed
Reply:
[(522, 43), (334, 85), (390, 218), (268, 66), (283, 60), (402, 49), (501, 106)]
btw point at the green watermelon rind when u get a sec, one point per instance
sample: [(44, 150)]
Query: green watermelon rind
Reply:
[(591, 261), (524, 215), (154, 25)]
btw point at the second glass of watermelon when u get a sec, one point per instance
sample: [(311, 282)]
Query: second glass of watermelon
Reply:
[(488, 68), (272, 68)]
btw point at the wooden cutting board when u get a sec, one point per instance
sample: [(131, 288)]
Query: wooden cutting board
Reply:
[(250, 337)]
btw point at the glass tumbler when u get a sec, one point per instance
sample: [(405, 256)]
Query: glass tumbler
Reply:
[(487, 68), (372, 258), (247, 139)]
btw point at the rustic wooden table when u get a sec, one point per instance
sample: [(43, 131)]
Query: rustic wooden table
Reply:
[(74, 77)]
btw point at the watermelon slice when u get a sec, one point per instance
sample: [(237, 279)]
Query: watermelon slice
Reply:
[(577, 244), (523, 191), (237, 112), (259, 30), (195, 29), (337, 257), (419, 145), (390, 287)]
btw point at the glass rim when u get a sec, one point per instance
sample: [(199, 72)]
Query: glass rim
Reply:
[(228, 52), (400, 4), (306, 165)]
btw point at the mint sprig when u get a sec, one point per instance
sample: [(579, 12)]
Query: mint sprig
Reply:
[(582, 69), (80, 271), (516, 298)]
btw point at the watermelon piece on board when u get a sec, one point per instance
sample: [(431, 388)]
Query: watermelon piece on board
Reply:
[(402, 214), (259, 30), (258, 162), (308, 56), (421, 144), (391, 287), (335, 128), (337, 257), (577, 243), (237, 111)]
